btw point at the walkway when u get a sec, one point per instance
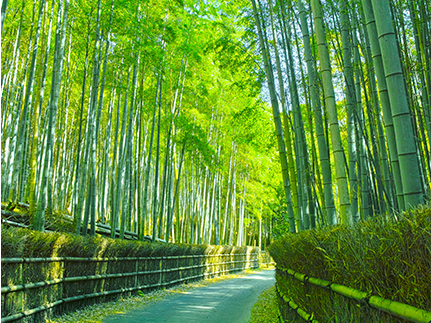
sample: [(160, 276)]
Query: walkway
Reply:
[(229, 301)]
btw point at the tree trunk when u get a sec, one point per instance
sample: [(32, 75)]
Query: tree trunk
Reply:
[(408, 159), (317, 113), (39, 219), (337, 147), (277, 121)]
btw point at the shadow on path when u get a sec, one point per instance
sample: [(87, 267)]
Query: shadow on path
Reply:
[(229, 301)]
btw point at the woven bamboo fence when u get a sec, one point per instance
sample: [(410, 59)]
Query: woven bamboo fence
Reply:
[(36, 289), (403, 311)]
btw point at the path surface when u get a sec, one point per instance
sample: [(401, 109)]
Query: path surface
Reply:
[(229, 301)]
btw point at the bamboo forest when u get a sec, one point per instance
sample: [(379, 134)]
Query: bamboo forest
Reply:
[(214, 122)]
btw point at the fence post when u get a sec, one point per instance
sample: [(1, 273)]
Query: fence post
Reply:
[(178, 266), (21, 295), (161, 271), (63, 269), (137, 269)]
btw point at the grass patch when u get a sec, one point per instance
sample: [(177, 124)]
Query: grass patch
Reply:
[(266, 308)]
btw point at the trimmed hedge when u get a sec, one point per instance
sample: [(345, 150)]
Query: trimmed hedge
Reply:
[(390, 258)]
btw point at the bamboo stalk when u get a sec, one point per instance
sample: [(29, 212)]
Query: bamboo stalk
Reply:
[(404, 311)]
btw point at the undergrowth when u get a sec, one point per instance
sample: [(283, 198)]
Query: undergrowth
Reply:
[(266, 308), (20, 213)]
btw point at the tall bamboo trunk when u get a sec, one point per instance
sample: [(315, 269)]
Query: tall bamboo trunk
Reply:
[(404, 134), (227, 200), (3, 13), (317, 114), (328, 88), (350, 99), (39, 218), (33, 197), (76, 194), (286, 125), (384, 100), (119, 215), (156, 176), (277, 121), (148, 164), (171, 207), (301, 151)]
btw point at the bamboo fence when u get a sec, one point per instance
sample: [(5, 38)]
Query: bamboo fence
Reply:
[(294, 307), (73, 282), (398, 309)]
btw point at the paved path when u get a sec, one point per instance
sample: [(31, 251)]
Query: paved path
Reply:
[(229, 301)]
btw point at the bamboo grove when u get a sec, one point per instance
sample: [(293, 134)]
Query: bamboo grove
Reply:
[(147, 115), (137, 115), (354, 126)]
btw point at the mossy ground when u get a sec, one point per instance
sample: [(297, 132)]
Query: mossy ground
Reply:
[(266, 308)]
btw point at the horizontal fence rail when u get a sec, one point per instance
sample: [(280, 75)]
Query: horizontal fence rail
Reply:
[(295, 307), (71, 280), (401, 310)]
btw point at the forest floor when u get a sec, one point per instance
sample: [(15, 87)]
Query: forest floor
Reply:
[(224, 299)]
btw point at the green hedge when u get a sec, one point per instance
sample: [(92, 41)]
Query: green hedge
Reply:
[(390, 258), (25, 243)]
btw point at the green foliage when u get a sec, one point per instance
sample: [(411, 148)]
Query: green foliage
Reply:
[(387, 257), (210, 44), (25, 243), (21, 213), (266, 308), (256, 120)]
